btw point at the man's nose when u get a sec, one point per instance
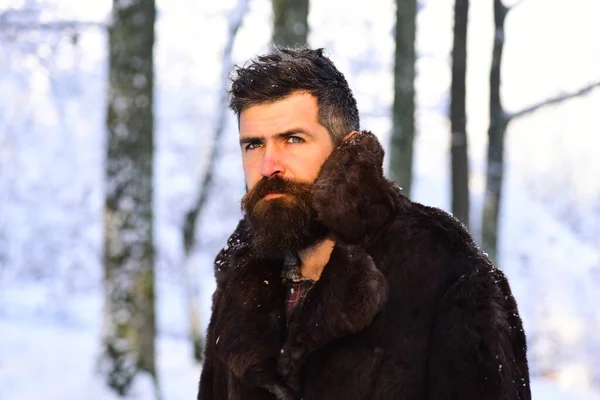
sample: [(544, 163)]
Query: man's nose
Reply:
[(271, 164)]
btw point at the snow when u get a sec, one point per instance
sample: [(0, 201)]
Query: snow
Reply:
[(51, 175), (544, 390), (66, 369), (60, 361)]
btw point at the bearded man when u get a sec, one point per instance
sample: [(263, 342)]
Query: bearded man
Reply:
[(335, 285)]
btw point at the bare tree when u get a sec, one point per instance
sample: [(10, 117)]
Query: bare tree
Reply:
[(193, 216), (290, 22), (458, 118), (499, 120), (130, 323), (403, 110)]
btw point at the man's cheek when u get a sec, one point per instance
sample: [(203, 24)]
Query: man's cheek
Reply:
[(250, 184), (249, 176)]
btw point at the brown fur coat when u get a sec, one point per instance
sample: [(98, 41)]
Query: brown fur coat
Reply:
[(407, 307)]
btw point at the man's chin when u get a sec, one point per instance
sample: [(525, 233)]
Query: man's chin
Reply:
[(278, 244), (272, 240)]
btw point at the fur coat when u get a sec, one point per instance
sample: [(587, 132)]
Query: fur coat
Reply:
[(406, 308)]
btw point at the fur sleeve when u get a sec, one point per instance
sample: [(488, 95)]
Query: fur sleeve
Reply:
[(478, 347)]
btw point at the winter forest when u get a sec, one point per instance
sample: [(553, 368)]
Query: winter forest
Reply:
[(121, 177)]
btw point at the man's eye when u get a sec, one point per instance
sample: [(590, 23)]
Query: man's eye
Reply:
[(253, 145), (295, 139)]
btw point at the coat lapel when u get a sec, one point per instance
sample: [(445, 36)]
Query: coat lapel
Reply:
[(250, 317), (345, 300), (250, 325)]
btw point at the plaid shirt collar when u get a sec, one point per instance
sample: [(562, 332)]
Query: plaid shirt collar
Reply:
[(291, 270), (298, 285)]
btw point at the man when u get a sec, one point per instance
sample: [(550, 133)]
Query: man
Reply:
[(335, 285)]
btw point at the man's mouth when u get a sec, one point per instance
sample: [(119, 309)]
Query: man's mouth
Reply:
[(272, 196)]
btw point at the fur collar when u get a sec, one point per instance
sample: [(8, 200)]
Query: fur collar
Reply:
[(252, 336)]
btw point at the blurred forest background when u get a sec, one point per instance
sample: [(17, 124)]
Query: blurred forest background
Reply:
[(120, 172)]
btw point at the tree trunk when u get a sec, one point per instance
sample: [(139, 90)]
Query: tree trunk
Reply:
[(130, 323), (499, 120), (403, 111), (459, 144), (496, 133), (290, 23)]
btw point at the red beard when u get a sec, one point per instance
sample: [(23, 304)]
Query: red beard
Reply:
[(285, 224)]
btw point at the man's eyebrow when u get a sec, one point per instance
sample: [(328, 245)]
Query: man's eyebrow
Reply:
[(250, 139), (283, 135), (292, 132)]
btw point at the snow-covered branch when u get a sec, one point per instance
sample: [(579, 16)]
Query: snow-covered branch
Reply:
[(28, 19), (555, 100), (49, 26), (235, 19), (516, 4)]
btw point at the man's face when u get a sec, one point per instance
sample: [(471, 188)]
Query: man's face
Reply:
[(283, 148), (285, 139)]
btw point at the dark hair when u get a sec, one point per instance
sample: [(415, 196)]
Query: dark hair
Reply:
[(277, 75)]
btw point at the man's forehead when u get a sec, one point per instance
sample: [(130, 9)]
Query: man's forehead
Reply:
[(278, 115), (293, 101)]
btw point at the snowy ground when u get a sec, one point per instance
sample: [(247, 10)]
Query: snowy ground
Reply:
[(57, 362), (60, 366), (51, 144)]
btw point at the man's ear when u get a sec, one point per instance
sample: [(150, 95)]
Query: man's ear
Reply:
[(348, 136)]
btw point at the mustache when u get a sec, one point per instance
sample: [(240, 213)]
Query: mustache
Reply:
[(278, 185)]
